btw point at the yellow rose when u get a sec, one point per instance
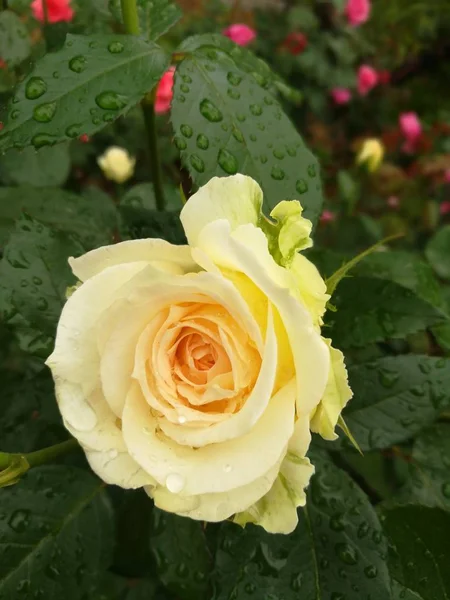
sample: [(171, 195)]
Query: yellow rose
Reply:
[(116, 164), (194, 371)]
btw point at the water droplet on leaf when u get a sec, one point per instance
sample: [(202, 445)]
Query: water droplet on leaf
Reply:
[(77, 64), (35, 88), (210, 111)]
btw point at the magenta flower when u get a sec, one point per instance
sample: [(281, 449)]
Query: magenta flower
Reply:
[(445, 208), (241, 34), (341, 95), (164, 92), (367, 79), (58, 10), (327, 216), (357, 11), (411, 128)]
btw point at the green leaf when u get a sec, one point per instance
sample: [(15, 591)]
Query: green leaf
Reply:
[(81, 88), (36, 274), (92, 218), (395, 397), (156, 17), (15, 45), (182, 558), (49, 166), (141, 223), (29, 416), (235, 125), (429, 469), (337, 550), (142, 195), (420, 550), (56, 534), (438, 252), (144, 590)]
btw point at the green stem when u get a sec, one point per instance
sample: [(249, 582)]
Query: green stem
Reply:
[(45, 11), (40, 457), (130, 16), (155, 162)]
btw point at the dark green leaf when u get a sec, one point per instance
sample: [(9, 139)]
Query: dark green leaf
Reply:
[(36, 274), (144, 590), (236, 125), (91, 217), (371, 310), (29, 416), (395, 397), (181, 554), (429, 469), (337, 550), (141, 223), (420, 551), (142, 195), (438, 252), (14, 41), (56, 534), (48, 166), (81, 88)]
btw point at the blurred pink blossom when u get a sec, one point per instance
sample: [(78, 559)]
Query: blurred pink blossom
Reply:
[(357, 11), (58, 10), (411, 128), (367, 79), (327, 216), (447, 176), (445, 208), (164, 92), (393, 201), (341, 95), (240, 34)]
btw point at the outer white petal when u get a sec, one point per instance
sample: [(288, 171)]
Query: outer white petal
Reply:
[(337, 394), (215, 507), (277, 510), (161, 254), (238, 199), (241, 422), (311, 286), (118, 468), (246, 250), (217, 467)]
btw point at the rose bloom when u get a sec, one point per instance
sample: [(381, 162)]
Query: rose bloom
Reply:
[(411, 128), (117, 164), (341, 95), (197, 372), (58, 10), (164, 92), (367, 79), (357, 11), (241, 34), (371, 154)]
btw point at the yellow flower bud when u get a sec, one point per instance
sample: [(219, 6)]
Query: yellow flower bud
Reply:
[(117, 164), (371, 154)]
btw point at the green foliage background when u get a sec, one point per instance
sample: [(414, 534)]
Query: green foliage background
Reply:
[(376, 526)]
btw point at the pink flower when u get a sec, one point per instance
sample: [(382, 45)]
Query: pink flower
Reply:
[(445, 208), (367, 79), (357, 11), (58, 10), (447, 176), (393, 201), (164, 92), (411, 128), (327, 216), (341, 95), (295, 43), (242, 35)]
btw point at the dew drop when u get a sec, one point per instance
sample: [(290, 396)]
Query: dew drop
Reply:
[(77, 64), (175, 483), (35, 88), (181, 419), (43, 139), (312, 170), (197, 163), (184, 88), (371, 572), (19, 520), (291, 151), (446, 489), (55, 74), (301, 186), (233, 78), (237, 134), (277, 173), (227, 468), (111, 101), (363, 530), (256, 110), (268, 100), (227, 161), (388, 378), (115, 47), (210, 111), (336, 522), (278, 154), (37, 280), (263, 159), (44, 113), (181, 98), (186, 78), (180, 143), (42, 304), (186, 130), (252, 136), (92, 45), (233, 94), (250, 588), (240, 117), (73, 131), (15, 114), (346, 553), (202, 142)]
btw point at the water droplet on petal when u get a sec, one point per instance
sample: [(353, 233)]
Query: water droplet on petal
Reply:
[(181, 419), (175, 483)]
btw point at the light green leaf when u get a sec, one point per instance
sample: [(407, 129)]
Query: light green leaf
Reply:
[(49, 166), (81, 88), (156, 17), (15, 45), (235, 125), (56, 534), (438, 252)]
